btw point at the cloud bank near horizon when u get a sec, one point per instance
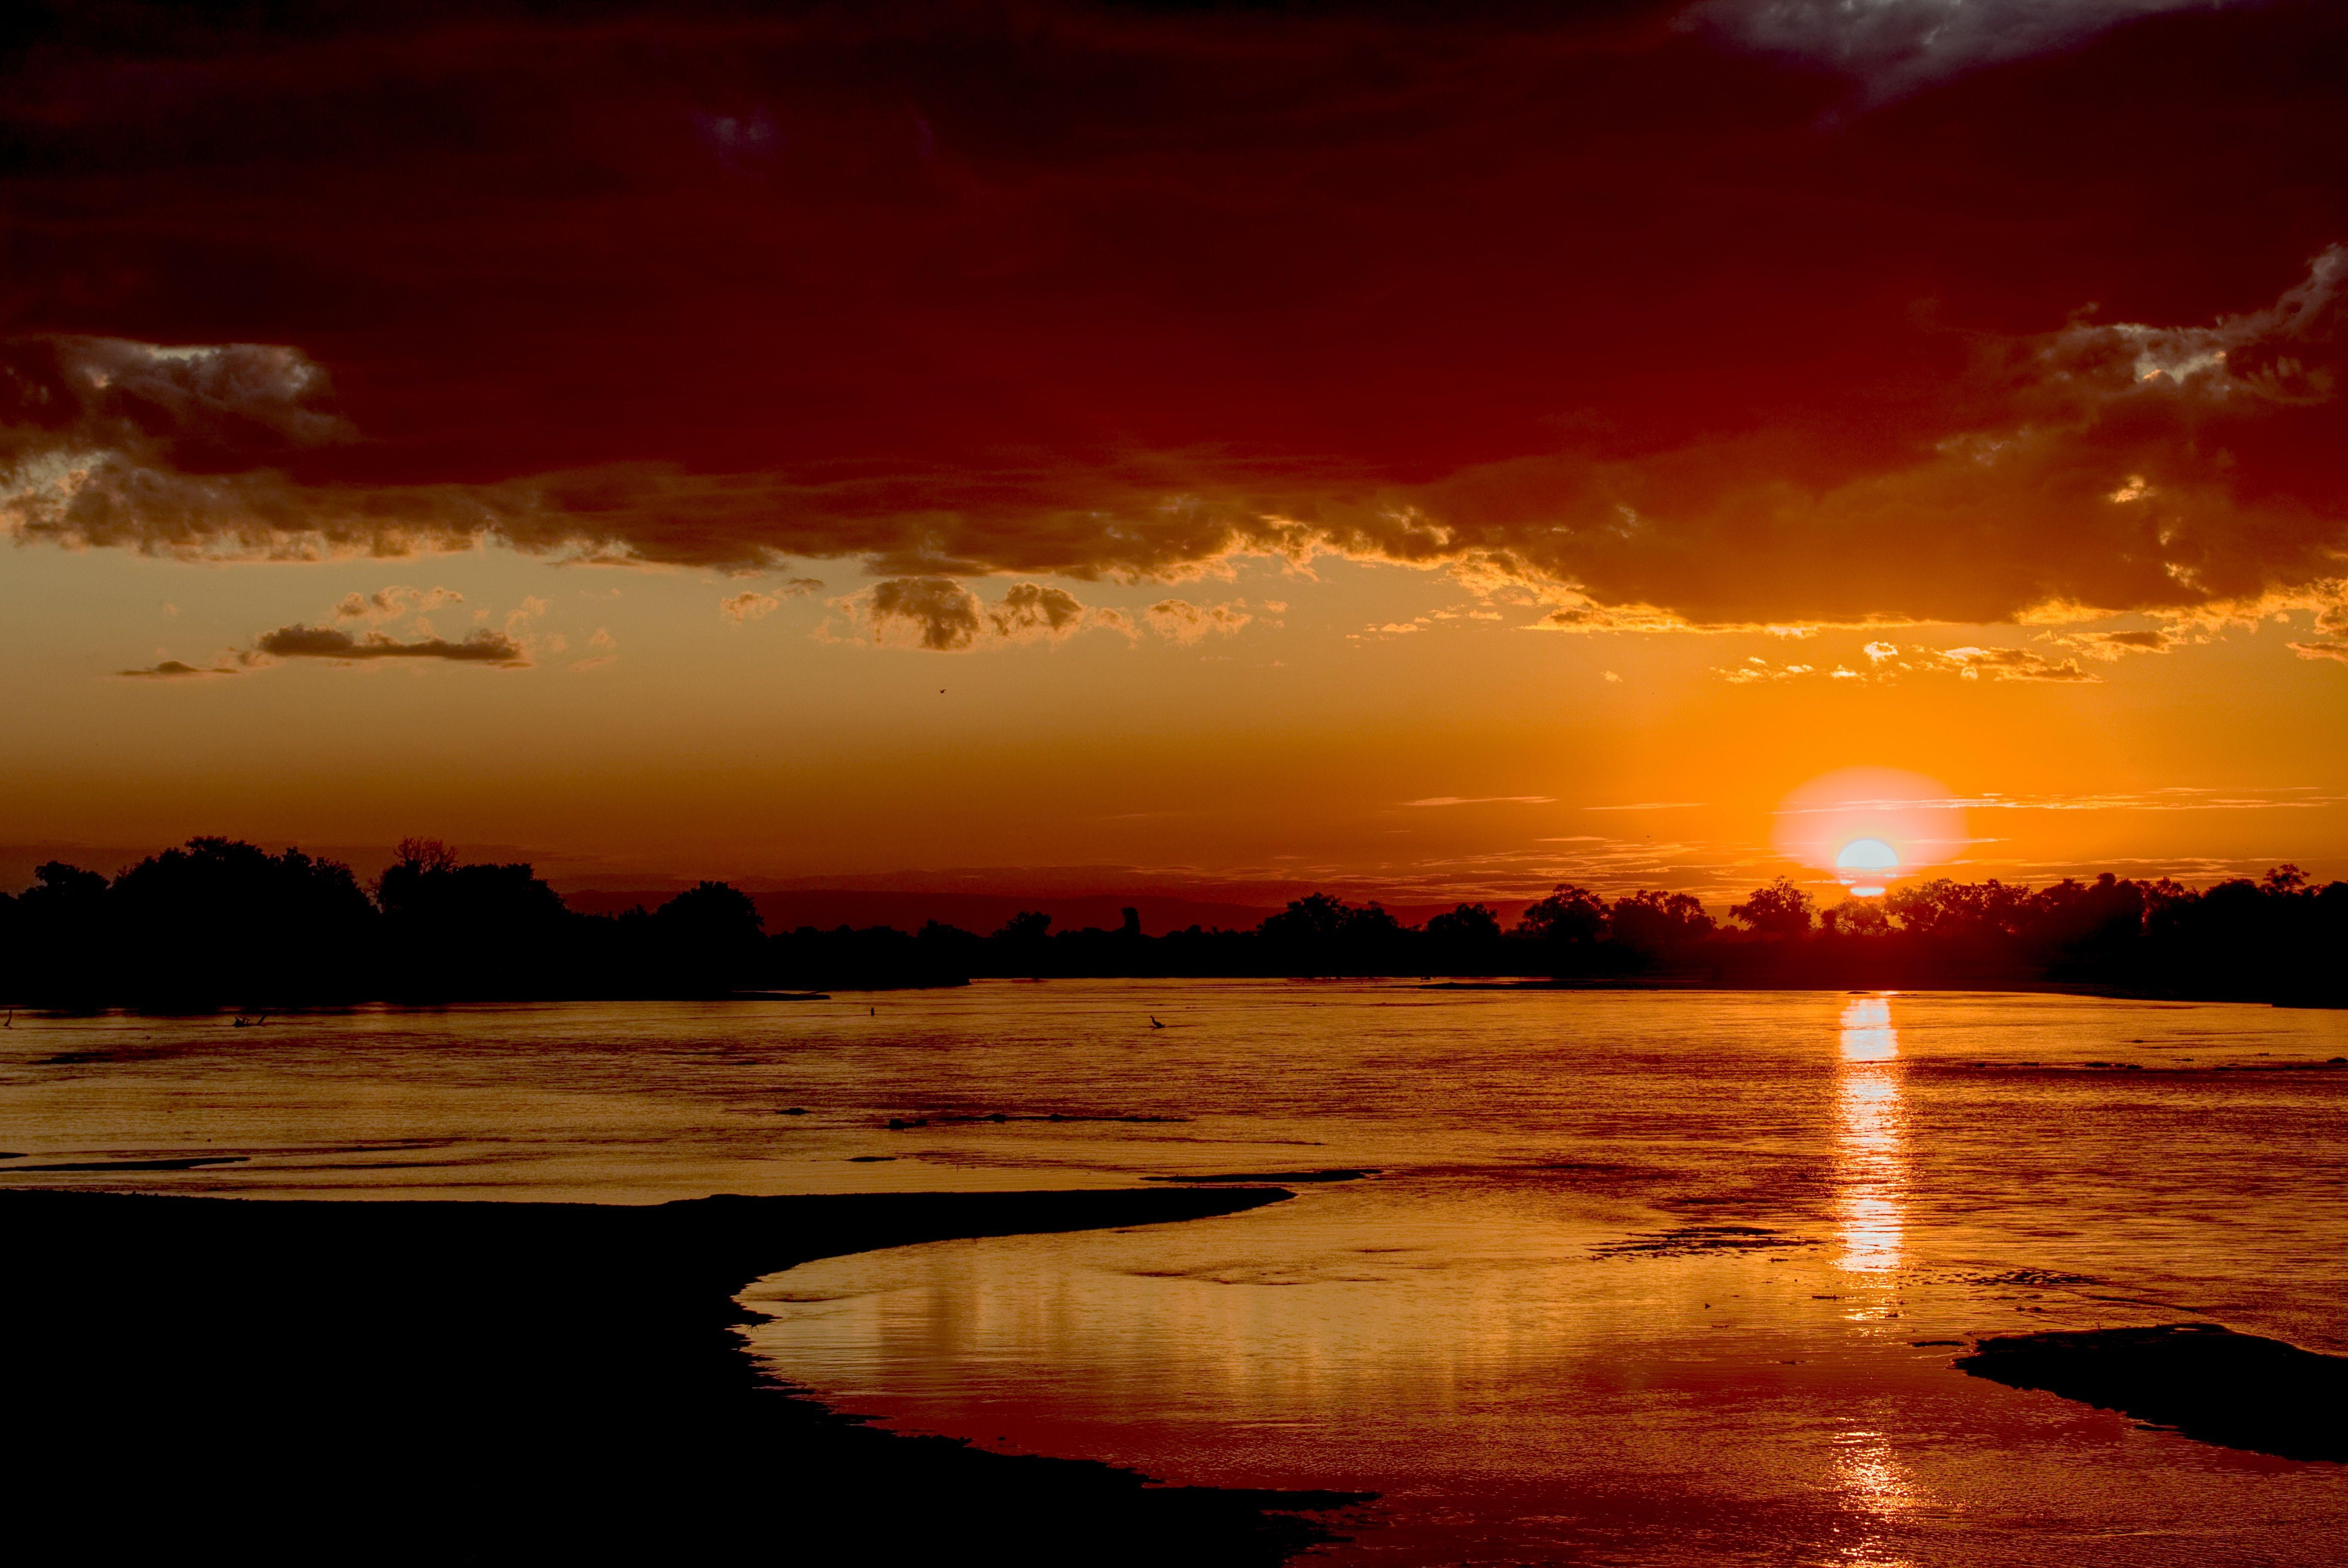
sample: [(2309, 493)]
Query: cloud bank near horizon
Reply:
[(1599, 309)]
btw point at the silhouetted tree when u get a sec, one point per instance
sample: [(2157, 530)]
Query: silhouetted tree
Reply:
[(1562, 931), (1569, 916), (1024, 942), (220, 920), (1658, 924), (477, 931), (712, 939), (1466, 926), (1318, 934), (1464, 940), (61, 952), (1781, 909), (1856, 917), (1946, 909)]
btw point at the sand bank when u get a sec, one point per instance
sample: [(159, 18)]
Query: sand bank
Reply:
[(2236, 1390), (338, 1381)]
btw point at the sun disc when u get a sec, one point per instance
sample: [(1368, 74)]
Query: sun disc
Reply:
[(1867, 855), (1867, 826)]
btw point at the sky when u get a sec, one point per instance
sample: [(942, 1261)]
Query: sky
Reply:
[(1211, 449)]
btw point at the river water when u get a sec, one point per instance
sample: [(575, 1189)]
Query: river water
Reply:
[(1625, 1278)]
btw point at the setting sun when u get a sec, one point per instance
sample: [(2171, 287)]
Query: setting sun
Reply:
[(1867, 825), (1867, 864)]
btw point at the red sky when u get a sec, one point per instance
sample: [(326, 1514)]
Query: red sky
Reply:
[(1984, 333)]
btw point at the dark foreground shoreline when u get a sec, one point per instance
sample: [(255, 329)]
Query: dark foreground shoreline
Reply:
[(403, 1380)]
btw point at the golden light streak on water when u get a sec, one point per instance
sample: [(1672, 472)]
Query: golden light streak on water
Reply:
[(1870, 1146)]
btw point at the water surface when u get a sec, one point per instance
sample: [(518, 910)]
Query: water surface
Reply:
[(1636, 1277)]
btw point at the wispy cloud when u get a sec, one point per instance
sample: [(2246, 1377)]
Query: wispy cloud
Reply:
[(2177, 798), (2013, 665), (173, 669), (750, 604), (1649, 806), (394, 602)]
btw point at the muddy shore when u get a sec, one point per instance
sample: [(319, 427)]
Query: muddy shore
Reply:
[(378, 1382)]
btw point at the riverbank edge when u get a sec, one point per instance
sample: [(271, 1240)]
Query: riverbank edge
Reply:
[(488, 1381), (2329, 997)]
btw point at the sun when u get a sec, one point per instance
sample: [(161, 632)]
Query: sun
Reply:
[(1866, 866), (1870, 826)]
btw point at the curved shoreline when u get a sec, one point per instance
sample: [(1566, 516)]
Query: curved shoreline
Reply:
[(387, 1381)]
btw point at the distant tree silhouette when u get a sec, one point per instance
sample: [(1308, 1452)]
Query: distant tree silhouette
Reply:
[(1855, 917), (217, 921), (1465, 940), (1027, 926), (1315, 921), (60, 891), (59, 942), (1023, 940), (1318, 934), (222, 922), (711, 938), (1780, 910), (1969, 911), (473, 930), (1468, 924), (416, 856), (1659, 924), (1569, 915), (1565, 931)]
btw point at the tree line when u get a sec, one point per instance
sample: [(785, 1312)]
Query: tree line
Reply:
[(220, 922)]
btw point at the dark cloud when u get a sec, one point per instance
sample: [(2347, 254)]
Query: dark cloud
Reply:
[(199, 408), (171, 670), (2109, 646), (1610, 307), (482, 646), (943, 615), (1030, 606)]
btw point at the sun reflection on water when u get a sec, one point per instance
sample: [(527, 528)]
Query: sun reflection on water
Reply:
[(1871, 1181), (1878, 1488), (1870, 1140)]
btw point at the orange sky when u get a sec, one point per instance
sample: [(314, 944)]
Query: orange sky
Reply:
[(1351, 446)]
